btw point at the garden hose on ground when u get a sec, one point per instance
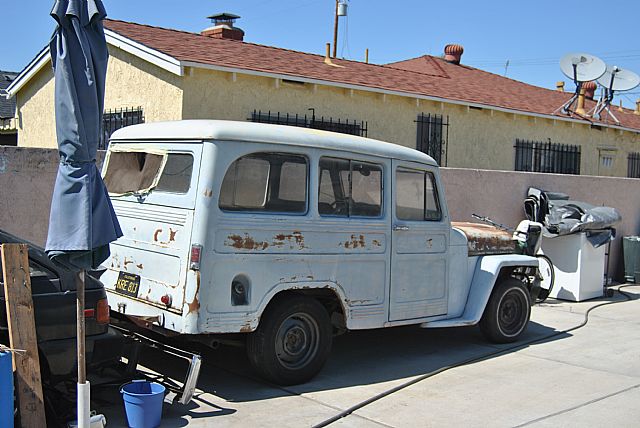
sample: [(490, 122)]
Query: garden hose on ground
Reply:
[(471, 360)]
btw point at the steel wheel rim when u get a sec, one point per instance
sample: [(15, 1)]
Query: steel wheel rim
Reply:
[(297, 340), (511, 312)]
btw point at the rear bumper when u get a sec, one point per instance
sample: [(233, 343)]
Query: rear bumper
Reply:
[(101, 350)]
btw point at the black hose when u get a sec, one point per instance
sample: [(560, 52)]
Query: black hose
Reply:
[(388, 392)]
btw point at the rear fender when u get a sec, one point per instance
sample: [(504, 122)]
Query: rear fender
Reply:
[(298, 286), (485, 278)]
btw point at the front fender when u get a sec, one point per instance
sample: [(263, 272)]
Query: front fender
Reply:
[(484, 279)]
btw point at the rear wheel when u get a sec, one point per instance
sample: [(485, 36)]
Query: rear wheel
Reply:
[(506, 316), (292, 342)]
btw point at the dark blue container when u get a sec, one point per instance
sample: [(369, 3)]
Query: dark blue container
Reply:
[(6, 390)]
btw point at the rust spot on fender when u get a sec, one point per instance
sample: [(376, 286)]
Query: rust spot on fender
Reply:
[(208, 193), (156, 233), (245, 243), (194, 305), (246, 328), (376, 243), (172, 235), (139, 266)]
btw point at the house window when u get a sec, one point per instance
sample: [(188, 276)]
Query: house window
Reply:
[(432, 136), (266, 182), (114, 119), (548, 157), (343, 126), (633, 168), (349, 188)]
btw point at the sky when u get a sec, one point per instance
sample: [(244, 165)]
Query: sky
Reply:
[(531, 35)]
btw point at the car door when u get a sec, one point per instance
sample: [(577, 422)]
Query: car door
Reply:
[(420, 242)]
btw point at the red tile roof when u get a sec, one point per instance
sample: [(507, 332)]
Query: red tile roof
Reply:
[(426, 75)]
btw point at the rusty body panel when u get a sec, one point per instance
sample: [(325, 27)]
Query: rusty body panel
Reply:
[(483, 239)]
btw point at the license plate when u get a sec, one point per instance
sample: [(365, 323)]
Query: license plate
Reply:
[(128, 284)]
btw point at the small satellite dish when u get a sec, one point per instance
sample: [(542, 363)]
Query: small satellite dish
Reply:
[(619, 79), (582, 67)]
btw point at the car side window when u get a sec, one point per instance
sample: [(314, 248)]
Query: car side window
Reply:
[(266, 182), (349, 188), (416, 196)]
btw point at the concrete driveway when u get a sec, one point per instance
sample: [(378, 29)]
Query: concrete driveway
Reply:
[(586, 377)]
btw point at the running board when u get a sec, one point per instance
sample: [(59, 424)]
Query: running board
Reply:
[(453, 322)]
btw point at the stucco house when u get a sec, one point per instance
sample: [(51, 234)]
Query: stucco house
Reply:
[(8, 129), (462, 116)]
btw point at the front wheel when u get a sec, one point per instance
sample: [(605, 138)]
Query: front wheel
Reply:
[(507, 313), (292, 342)]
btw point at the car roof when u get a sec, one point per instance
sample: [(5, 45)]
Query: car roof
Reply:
[(223, 130)]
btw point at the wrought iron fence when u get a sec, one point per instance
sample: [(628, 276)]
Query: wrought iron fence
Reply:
[(633, 167), (344, 126), (433, 136), (540, 156), (115, 119)]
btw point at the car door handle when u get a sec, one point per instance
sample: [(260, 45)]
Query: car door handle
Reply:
[(400, 227)]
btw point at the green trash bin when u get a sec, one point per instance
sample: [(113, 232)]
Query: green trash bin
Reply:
[(631, 250)]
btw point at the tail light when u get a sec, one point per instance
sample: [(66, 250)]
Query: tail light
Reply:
[(196, 254), (102, 311)]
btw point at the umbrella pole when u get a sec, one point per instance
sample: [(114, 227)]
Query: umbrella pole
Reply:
[(83, 396)]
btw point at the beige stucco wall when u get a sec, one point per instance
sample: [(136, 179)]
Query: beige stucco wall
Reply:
[(477, 138), (131, 83)]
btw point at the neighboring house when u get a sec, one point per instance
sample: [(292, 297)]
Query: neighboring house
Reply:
[(462, 116), (8, 128)]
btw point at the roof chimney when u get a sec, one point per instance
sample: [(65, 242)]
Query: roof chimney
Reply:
[(223, 27), (637, 110), (560, 86), (589, 89), (453, 53)]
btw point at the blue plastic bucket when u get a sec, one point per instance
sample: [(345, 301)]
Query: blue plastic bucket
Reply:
[(6, 390), (143, 403)]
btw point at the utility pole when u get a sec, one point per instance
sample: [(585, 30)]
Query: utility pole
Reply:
[(335, 32)]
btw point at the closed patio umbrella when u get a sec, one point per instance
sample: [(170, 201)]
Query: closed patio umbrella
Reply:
[(82, 221)]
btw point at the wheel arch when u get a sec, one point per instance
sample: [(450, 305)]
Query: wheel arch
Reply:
[(329, 294), (490, 270)]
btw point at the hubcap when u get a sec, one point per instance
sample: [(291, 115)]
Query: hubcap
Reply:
[(297, 341), (511, 315)]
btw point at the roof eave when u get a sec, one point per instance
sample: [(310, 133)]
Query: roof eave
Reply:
[(153, 56)]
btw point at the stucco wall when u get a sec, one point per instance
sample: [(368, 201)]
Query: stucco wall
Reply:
[(477, 138), (131, 83), (27, 177), (500, 195)]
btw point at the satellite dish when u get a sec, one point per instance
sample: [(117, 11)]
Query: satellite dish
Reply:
[(619, 79), (582, 67)]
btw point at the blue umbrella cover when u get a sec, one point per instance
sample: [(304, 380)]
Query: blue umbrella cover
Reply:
[(82, 222)]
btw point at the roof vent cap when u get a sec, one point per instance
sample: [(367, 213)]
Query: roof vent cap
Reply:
[(589, 89), (453, 53)]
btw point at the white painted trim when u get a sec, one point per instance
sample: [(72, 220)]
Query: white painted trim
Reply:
[(29, 71), (153, 56), (441, 100)]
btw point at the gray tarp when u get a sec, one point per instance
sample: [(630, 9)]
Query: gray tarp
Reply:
[(82, 221), (562, 216)]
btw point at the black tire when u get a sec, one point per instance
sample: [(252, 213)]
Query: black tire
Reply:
[(292, 342), (547, 275), (507, 314)]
